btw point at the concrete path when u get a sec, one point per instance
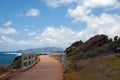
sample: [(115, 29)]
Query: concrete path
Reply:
[(47, 69)]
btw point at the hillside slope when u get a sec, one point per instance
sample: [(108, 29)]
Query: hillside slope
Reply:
[(98, 45), (105, 68), (96, 59)]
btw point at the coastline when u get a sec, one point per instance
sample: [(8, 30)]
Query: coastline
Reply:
[(7, 58)]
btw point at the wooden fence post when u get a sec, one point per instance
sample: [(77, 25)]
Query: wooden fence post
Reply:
[(64, 61), (22, 65)]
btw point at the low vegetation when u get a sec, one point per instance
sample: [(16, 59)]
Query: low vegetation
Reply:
[(4, 69), (16, 63), (98, 45), (105, 68), (96, 59)]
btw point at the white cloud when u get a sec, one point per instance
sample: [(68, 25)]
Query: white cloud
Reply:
[(33, 12), (82, 11), (23, 43), (52, 36), (31, 33), (63, 36), (108, 24), (105, 24), (56, 3), (9, 23), (8, 31), (7, 40), (117, 6), (99, 3), (86, 3)]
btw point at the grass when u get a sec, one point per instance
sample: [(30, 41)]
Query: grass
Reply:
[(4, 69), (57, 57), (105, 68), (5, 72)]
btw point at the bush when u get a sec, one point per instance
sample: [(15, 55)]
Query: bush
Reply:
[(97, 45), (16, 63)]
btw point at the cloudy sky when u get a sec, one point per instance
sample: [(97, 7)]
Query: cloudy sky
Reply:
[(40, 23)]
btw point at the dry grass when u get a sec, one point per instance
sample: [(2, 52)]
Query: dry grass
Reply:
[(105, 68), (57, 57), (6, 76)]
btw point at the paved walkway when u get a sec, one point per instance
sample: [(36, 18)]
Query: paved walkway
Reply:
[(47, 69)]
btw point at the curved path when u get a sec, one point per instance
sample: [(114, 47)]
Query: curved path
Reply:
[(47, 69)]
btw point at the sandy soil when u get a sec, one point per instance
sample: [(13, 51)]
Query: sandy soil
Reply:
[(47, 69)]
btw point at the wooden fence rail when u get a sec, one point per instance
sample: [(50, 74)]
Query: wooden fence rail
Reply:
[(28, 60)]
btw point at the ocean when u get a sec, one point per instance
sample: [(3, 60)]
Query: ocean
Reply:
[(7, 58)]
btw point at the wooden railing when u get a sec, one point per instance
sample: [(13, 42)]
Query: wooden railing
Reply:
[(28, 60), (64, 63)]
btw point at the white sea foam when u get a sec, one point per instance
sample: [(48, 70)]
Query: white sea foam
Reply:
[(18, 54)]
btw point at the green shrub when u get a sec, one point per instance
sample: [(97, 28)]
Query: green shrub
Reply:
[(25, 57), (25, 63), (92, 53), (16, 63), (74, 52), (73, 66)]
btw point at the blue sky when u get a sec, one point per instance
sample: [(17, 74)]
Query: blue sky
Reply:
[(40, 23)]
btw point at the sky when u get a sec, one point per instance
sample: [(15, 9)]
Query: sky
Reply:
[(40, 23)]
